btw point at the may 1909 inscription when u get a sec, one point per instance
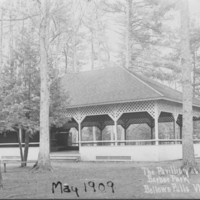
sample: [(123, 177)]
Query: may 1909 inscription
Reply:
[(90, 185)]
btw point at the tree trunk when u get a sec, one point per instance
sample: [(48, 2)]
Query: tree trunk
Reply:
[(128, 32), (66, 58), (1, 179), (26, 146), (20, 145), (92, 49), (44, 149), (74, 39), (27, 131), (1, 41), (187, 141), (194, 71)]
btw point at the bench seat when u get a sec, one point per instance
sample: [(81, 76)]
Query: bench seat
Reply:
[(13, 159)]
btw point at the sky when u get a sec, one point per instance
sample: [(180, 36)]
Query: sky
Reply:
[(194, 6)]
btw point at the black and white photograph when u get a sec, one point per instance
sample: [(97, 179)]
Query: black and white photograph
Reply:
[(99, 99)]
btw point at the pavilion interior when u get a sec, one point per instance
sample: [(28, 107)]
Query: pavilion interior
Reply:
[(132, 129)]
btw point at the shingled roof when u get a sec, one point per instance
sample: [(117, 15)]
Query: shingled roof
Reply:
[(115, 85)]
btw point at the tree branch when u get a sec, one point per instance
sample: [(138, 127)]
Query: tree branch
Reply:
[(20, 19)]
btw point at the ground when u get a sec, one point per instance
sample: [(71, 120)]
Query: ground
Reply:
[(128, 179)]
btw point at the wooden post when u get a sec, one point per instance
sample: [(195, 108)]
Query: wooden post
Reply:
[(1, 179), (115, 130), (112, 135), (181, 131), (79, 134), (174, 126), (123, 137), (101, 136), (74, 132), (94, 135), (125, 134), (151, 133)]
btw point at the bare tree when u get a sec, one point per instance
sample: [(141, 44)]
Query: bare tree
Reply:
[(1, 180), (1, 40), (128, 32), (44, 149)]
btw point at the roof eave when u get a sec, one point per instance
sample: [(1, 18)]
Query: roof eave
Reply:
[(128, 101), (178, 101)]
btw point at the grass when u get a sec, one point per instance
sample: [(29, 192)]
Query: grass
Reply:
[(128, 179)]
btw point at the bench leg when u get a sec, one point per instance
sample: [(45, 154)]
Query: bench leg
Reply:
[(4, 164)]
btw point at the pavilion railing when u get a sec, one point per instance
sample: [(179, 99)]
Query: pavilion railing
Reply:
[(135, 142), (31, 144)]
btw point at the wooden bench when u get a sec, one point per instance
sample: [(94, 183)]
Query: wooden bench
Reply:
[(13, 159)]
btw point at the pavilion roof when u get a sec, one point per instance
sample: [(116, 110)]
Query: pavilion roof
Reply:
[(115, 85)]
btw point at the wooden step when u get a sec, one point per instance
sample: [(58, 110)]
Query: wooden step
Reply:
[(65, 157)]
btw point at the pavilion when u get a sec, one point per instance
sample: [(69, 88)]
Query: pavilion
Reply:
[(117, 97)]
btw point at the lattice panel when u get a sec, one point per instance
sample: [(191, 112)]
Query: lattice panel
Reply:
[(175, 108), (98, 110), (136, 107), (75, 113), (71, 112), (114, 110), (169, 107), (139, 121), (166, 119)]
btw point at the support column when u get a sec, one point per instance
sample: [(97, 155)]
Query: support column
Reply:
[(79, 134), (94, 135), (115, 130), (101, 136), (79, 120), (156, 130), (156, 122), (112, 136), (180, 126), (181, 137), (115, 126), (174, 126), (123, 136), (151, 132)]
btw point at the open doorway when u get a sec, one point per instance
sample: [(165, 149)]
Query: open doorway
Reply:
[(63, 140)]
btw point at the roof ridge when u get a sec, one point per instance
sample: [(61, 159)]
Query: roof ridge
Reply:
[(142, 81)]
